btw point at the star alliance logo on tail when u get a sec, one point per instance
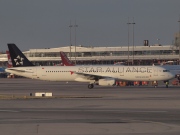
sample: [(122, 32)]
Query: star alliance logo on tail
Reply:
[(19, 60)]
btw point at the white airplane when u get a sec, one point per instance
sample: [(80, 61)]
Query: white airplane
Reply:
[(101, 75), (2, 69)]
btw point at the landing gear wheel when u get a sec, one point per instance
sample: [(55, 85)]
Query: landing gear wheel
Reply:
[(90, 86), (155, 84)]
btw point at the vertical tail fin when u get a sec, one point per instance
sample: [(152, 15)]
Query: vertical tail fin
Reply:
[(65, 60), (9, 65), (17, 57)]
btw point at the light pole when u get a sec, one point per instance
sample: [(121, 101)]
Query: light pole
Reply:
[(133, 23), (75, 39), (158, 40), (70, 26), (179, 39), (133, 41), (128, 39)]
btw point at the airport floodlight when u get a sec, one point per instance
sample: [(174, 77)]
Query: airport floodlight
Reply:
[(75, 26), (133, 23), (70, 26), (179, 39)]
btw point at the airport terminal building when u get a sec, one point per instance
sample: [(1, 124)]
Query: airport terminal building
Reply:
[(85, 55)]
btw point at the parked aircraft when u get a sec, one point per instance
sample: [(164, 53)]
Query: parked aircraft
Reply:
[(9, 60), (101, 75), (2, 70), (65, 60)]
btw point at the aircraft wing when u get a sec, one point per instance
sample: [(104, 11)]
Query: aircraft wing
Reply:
[(91, 76)]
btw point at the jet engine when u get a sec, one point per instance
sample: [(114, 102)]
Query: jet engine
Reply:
[(106, 82)]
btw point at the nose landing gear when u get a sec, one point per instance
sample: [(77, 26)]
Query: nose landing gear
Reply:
[(90, 86)]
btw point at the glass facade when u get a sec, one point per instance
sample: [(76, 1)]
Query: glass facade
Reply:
[(105, 53), (143, 55)]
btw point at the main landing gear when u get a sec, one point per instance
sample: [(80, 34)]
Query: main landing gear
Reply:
[(155, 84), (90, 86)]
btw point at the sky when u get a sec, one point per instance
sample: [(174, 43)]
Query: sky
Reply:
[(35, 24)]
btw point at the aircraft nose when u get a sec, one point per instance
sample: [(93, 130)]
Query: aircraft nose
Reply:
[(171, 75)]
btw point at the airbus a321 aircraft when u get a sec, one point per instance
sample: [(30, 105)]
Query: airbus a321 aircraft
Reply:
[(101, 75)]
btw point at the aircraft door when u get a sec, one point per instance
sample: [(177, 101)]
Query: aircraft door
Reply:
[(121, 71), (155, 71)]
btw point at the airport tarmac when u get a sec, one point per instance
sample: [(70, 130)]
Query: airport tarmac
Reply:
[(82, 111)]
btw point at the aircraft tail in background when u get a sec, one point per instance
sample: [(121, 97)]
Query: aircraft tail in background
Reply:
[(9, 65), (65, 60), (17, 57)]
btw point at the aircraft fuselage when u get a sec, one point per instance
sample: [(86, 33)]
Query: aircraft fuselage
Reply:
[(71, 73)]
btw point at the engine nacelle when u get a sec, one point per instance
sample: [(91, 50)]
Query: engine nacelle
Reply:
[(106, 82)]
